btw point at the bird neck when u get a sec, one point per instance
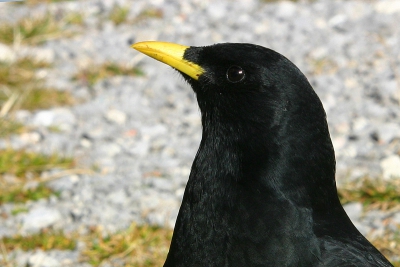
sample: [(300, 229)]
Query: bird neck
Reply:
[(244, 183), (296, 162)]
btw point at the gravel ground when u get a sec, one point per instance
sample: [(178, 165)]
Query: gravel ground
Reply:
[(142, 133)]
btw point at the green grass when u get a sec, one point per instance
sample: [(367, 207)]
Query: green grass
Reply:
[(119, 14), (54, 129), (20, 162), (40, 98), (149, 13), (45, 240), (74, 18), (21, 195), (34, 30), (389, 245), (20, 88), (18, 210), (373, 193), (93, 74), (21, 165), (8, 127), (323, 66), (376, 194), (20, 72), (138, 246)]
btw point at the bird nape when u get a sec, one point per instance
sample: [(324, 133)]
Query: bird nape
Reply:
[(262, 189)]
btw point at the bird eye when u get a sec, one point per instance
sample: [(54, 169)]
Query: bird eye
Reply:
[(235, 74)]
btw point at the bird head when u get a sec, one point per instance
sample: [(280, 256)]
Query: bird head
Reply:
[(258, 102), (242, 82), (245, 85)]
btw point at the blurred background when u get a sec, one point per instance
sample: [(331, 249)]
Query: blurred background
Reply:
[(97, 140)]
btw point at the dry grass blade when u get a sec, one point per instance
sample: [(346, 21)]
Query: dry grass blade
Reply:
[(138, 246), (388, 244), (93, 74), (43, 98), (68, 172), (21, 89), (9, 104), (119, 14), (4, 253), (46, 240), (33, 30), (8, 127), (19, 164), (20, 72), (18, 194), (373, 193), (150, 13)]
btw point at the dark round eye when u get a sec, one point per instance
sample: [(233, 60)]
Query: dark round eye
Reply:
[(235, 74)]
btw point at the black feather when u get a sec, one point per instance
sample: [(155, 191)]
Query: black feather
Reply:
[(262, 187)]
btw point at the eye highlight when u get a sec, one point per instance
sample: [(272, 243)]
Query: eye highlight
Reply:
[(235, 74)]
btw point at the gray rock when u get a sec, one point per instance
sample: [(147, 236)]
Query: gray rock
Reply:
[(39, 218), (364, 229), (6, 230), (63, 118), (391, 167), (353, 210), (29, 138), (108, 150), (161, 184), (139, 148), (217, 10), (23, 116), (40, 54), (66, 183), (160, 210), (388, 132), (154, 130), (286, 9), (7, 54), (387, 7), (43, 118), (116, 116), (396, 218), (118, 197), (52, 258), (41, 259)]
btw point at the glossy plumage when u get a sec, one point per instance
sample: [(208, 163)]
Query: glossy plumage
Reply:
[(262, 188)]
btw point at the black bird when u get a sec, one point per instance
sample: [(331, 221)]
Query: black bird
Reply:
[(262, 189)]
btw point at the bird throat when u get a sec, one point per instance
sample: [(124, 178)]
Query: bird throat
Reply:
[(235, 192)]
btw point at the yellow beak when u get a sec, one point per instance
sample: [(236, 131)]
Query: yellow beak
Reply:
[(170, 54)]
